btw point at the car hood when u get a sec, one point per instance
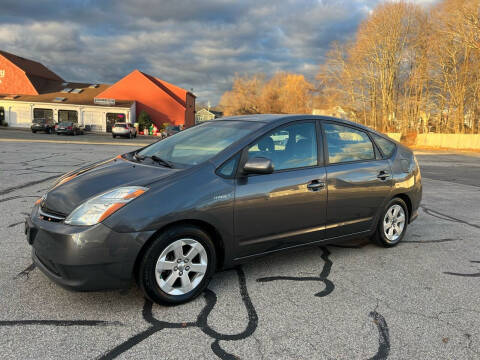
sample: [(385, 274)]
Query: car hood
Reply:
[(98, 178)]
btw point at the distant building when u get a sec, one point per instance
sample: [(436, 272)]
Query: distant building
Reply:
[(29, 90), (206, 115), (335, 111)]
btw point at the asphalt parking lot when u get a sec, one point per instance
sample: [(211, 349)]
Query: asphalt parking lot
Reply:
[(419, 300)]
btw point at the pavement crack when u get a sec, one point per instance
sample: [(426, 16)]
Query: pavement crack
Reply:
[(446, 217), (28, 184), (474, 275), (383, 336), (59, 323), (15, 224), (429, 241), (18, 197), (323, 277), (201, 323), (26, 272)]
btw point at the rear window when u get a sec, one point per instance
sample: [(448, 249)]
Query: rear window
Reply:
[(65, 124), (121, 125), (387, 146), (347, 144)]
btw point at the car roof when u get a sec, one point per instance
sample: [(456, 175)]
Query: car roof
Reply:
[(281, 118)]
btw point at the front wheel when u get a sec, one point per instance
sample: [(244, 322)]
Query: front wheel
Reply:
[(392, 224), (177, 266)]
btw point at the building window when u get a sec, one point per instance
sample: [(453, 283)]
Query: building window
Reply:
[(43, 115), (67, 116)]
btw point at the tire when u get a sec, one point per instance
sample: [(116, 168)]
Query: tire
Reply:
[(129, 135), (391, 236), (150, 281), (114, 136), (58, 133), (34, 131)]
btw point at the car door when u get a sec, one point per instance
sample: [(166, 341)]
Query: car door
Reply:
[(358, 180), (287, 207)]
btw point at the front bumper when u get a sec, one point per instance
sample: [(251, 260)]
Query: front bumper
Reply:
[(83, 258)]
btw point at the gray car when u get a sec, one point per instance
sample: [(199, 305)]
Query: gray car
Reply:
[(210, 197)]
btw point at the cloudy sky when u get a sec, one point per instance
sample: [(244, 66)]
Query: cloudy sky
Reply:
[(197, 44)]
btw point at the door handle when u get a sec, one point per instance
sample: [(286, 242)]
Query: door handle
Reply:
[(316, 185), (383, 175)]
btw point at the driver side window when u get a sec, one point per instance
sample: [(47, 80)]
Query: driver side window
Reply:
[(289, 147)]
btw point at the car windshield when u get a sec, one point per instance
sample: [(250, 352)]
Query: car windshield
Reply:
[(200, 143)]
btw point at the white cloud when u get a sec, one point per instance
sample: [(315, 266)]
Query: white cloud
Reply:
[(198, 44)]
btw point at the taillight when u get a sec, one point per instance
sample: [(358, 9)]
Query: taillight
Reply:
[(56, 126), (69, 128)]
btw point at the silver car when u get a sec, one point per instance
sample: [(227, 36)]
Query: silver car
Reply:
[(124, 129)]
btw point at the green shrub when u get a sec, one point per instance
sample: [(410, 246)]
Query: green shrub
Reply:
[(144, 121)]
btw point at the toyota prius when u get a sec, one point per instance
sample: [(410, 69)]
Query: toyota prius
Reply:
[(218, 194)]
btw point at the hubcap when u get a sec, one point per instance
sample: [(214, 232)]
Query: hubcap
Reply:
[(181, 266), (394, 223)]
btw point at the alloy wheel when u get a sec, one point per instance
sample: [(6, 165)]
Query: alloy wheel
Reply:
[(394, 223), (181, 266)]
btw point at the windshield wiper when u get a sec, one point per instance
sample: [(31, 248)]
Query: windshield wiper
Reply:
[(138, 157), (161, 161), (155, 158)]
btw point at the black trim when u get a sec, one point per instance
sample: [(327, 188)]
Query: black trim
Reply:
[(325, 144), (380, 149), (235, 169), (244, 151)]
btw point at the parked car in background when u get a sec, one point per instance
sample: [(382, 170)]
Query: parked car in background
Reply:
[(124, 129), (68, 128), (218, 194), (172, 130), (45, 125)]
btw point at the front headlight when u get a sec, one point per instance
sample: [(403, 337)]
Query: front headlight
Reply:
[(100, 207)]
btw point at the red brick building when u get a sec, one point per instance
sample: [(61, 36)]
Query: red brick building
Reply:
[(23, 76), (163, 101), (28, 88)]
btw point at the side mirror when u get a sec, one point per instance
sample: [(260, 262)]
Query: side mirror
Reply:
[(258, 165)]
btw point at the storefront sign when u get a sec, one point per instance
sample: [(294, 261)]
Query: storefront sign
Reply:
[(107, 102)]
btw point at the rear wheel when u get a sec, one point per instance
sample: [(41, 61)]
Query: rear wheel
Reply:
[(34, 131), (392, 224), (178, 265), (114, 136)]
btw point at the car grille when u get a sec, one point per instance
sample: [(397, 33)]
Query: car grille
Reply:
[(49, 215)]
